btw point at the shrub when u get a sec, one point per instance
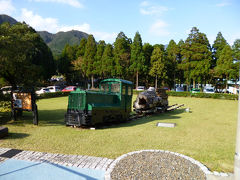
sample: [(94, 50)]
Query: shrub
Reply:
[(5, 106), (203, 95), (52, 95)]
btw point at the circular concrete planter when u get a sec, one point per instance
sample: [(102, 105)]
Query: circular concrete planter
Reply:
[(114, 163)]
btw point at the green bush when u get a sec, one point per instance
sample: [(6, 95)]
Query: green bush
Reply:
[(203, 95), (52, 95), (5, 106)]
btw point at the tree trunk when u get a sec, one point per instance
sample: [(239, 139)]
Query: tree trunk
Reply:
[(174, 82), (13, 111), (92, 81), (156, 82), (136, 79), (194, 83), (226, 84)]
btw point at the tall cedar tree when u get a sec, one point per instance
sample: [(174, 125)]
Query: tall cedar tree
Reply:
[(180, 73), (81, 48), (225, 67), (65, 66), (217, 47), (108, 62), (137, 57), (24, 58), (171, 57), (98, 58), (147, 51), (89, 58), (158, 65), (236, 49), (122, 52), (78, 63), (196, 57)]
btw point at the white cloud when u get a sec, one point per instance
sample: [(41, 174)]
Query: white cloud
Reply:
[(73, 3), (39, 23), (108, 37), (223, 4), (6, 7), (153, 10), (144, 3), (232, 37), (159, 28), (83, 27), (188, 31), (147, 9)]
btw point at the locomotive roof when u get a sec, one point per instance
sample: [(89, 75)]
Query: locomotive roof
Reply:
[(117, 80)]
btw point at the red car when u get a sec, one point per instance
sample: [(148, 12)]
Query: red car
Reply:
[(69, 88)]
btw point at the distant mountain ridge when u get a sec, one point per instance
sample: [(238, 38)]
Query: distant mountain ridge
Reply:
[(6, 18), (56, 42)]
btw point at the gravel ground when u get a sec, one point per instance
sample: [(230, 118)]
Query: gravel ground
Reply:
[(156, 165)]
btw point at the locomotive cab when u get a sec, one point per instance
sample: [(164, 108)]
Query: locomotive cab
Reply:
[(111, 103)]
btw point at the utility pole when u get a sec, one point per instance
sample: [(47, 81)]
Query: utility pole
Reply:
[(237, 152)]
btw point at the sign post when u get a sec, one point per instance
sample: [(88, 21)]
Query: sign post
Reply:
[(25, 101)]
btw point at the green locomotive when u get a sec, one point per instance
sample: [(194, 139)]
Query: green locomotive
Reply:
[(112, 103)]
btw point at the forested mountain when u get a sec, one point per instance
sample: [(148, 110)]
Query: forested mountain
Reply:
[(56, 42), (6, 18)]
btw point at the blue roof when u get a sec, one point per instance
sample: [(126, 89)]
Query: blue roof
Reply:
[(117, 80)]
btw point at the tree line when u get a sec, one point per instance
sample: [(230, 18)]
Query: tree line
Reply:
[(193, 61), (25, 60)]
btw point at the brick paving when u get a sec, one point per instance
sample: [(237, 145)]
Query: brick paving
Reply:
[(61, 159)]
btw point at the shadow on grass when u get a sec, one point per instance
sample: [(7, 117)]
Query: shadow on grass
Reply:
[(51, 117), (45, 118), (16, 135), (149, 118), (4, 117), (56, 117)]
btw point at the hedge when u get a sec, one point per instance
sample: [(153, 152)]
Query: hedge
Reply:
[(204, 95), (170, 93), (52, 95)]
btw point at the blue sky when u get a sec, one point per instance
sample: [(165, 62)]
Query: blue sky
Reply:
[(158, 21)]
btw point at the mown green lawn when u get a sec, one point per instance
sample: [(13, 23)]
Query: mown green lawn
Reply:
[(207, 134)]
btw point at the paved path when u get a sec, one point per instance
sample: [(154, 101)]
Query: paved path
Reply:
[(72, 166), (18, 164), (60, 159)]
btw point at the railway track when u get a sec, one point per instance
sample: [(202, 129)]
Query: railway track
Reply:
[(133, 117), (159, 111)]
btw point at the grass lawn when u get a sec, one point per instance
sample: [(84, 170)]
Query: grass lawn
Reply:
[(207, 134)]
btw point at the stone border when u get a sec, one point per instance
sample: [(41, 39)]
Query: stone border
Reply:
[(200, 165), (80, 161)]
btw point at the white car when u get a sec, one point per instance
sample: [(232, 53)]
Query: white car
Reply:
[(42, 90), (140, 88), (6, 89), (209, 90), (54, 88), (179, 89)]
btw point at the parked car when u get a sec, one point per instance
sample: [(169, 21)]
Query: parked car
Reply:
[(195, 90), (69, 88), (209, 90), (179, 89), (54, 88), (6, 89), (42, 90), (140, 88)]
